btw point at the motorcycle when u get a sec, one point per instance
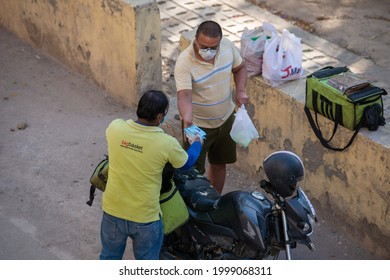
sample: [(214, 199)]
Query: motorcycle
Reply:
[(244, 224)]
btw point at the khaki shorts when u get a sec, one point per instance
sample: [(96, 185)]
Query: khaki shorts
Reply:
[(219, 147)]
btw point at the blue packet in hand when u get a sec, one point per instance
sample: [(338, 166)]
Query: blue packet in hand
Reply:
[(192, 131)]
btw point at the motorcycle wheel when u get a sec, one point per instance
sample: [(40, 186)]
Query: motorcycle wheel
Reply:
[(171, 248)]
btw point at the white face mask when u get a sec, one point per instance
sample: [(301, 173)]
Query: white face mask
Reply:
[(207, 54)]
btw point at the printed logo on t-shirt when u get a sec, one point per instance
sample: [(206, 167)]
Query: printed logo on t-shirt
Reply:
[(128, 145)]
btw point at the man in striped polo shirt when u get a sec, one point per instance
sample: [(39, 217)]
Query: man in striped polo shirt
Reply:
[(203, 75)]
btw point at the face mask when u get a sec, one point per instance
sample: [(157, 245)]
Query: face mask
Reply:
[(163, 120), (207, 54)]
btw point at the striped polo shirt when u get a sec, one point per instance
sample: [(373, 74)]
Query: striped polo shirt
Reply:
[(212, 101)]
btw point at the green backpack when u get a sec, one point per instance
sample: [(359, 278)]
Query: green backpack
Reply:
[(98, 179)]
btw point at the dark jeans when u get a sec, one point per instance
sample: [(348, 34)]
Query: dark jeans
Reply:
[(147, 238)]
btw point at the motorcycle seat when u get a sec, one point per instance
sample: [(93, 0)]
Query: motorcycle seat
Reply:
[(198, 194), (204, 199)]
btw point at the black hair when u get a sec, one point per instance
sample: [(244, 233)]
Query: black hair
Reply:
[(210, 29), (151, 104)]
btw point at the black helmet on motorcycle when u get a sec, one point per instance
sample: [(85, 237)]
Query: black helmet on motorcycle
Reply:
[(284, 169)]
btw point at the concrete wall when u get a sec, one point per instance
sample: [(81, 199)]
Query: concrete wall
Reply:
[(115, 42), (352, 186)]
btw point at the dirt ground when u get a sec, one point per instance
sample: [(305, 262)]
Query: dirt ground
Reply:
[(52, 124)]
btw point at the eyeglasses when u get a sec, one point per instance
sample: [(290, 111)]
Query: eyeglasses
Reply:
[(206, 48)]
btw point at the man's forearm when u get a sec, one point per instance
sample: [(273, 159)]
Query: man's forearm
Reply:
[(185, 106), (240, 79)]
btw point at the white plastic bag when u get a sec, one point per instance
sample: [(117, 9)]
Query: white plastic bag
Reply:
[(282, 59), (243, 131), (252, 49), (269, 29)]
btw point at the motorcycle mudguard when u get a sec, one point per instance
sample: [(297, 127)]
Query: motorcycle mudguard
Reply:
[(246, 214)]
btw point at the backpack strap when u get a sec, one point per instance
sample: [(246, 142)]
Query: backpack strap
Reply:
[(91, 195)]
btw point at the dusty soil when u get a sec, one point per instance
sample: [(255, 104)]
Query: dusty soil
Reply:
[(52, 124)]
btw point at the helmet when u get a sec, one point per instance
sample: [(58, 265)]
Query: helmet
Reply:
[(284, 169)]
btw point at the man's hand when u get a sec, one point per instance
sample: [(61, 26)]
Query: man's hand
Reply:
[(240, 79), (186, 123), (241, 98), (198, 138)]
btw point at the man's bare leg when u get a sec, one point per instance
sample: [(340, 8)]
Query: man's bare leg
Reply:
[(217, 174)]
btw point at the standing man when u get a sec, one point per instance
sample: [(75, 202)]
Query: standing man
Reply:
[(203, 74), (138, 151)]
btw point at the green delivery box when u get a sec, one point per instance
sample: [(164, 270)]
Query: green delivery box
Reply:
[(345, 98)]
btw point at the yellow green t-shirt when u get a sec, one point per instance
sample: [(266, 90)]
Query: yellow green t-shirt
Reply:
[(138, 155)]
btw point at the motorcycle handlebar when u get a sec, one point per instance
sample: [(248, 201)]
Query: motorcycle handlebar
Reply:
[(266, 186)]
